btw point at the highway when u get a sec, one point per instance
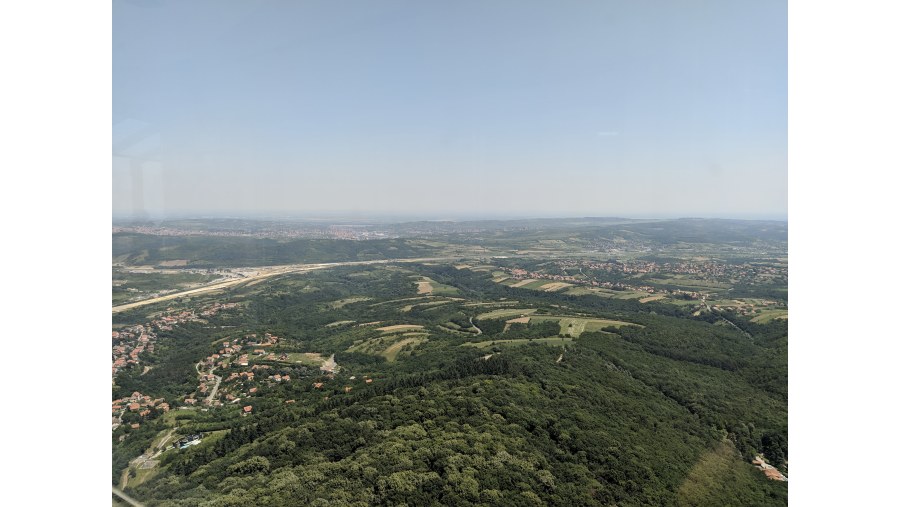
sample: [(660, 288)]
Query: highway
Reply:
[(268, 272)]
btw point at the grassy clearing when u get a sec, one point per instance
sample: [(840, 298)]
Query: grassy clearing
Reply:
[(718, 474), (509, 312), (399, 327), (767, 316), (340, 323), (553, 340), (574, 326), (607, 293), (555, 286), (392, 351), (427, 304), (656, 297), (424, 287), (389, 347), (492, 303), (306, 358), (691, 283), (340, 303), (427, 286)]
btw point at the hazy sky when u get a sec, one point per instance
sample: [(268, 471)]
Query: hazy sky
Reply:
[(625, 107)]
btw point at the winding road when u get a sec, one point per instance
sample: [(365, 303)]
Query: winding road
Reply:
[(476, 327)]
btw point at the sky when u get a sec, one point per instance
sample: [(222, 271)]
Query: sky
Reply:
[(634, 108)]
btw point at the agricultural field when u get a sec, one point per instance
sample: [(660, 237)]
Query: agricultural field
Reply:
[(552, 341), (425, 285), (574, 326), (766, 316), (509, 312)]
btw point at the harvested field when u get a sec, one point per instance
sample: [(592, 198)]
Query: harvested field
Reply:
[(521, 283), (521, 320), (425, 287), (555, 286), (656, 297), (177, 262), (340, 323)]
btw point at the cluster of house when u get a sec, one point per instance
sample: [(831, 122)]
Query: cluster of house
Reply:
[(232, 348), (131, 342), (745, 272), (522, 274), (166, 322), (128, 345), (234, 353), (138, 403), (211, 311)]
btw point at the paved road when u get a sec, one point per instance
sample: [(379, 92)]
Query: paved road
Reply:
[(121, 494), (215, 389), (268, 272)]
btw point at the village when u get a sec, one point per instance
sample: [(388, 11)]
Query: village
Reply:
[(745, 272), (132, 344), (522, 274), (250, 365)]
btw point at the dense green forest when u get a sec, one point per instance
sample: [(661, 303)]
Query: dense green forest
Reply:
[(217, 252), (667, 408)]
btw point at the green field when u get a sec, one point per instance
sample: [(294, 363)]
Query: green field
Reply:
[(690, 283), (436, 288), (510, 312), (553, 340), (574, 326), (767, 316), (720, 475), (389, 346), (346, 301), (340, 323), (606, 293)]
